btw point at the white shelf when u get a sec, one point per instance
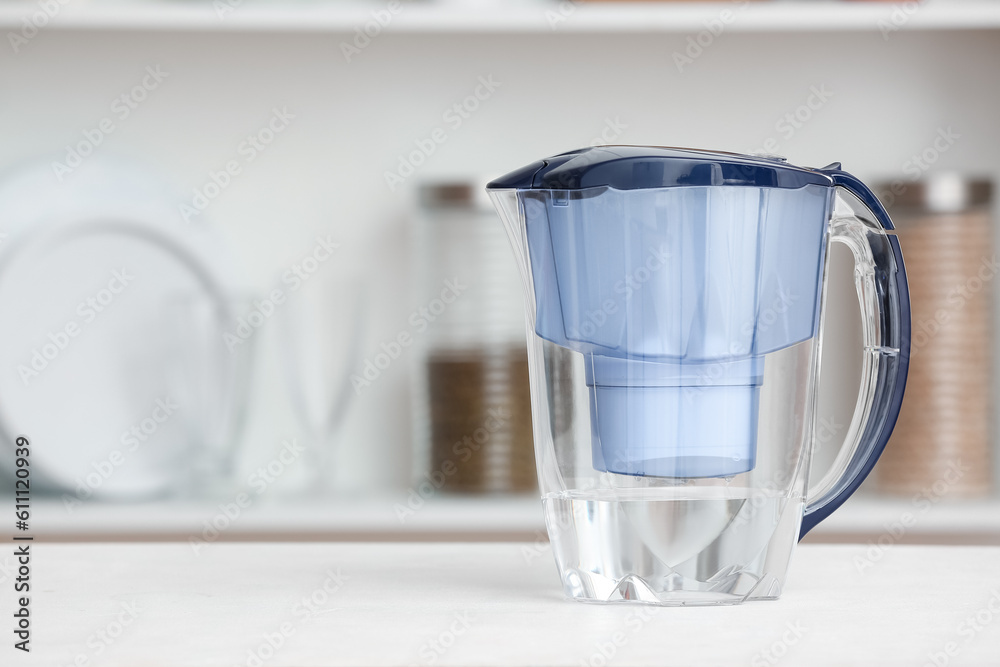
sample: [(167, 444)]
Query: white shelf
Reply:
[(484, 518), (376, 517), (477, 17), (875, 516)]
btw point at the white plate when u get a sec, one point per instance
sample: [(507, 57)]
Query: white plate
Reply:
[(91, 270)]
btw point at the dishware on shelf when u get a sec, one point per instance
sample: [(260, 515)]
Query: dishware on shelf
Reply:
[(89, 268), (322, 327), (685, 288), (212, 374)]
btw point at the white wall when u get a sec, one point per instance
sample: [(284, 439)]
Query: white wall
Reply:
[(324, 174)]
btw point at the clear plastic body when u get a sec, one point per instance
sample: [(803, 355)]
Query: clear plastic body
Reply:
[(673, 398)]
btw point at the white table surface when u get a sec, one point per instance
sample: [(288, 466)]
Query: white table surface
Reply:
[(483, 604)]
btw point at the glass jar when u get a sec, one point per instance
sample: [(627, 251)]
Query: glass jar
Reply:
[(472, 406), (942, 444)]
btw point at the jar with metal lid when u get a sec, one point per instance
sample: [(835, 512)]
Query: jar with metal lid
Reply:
[(472, 407), (943, 441)]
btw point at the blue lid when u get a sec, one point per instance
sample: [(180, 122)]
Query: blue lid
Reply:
[(644, 167)]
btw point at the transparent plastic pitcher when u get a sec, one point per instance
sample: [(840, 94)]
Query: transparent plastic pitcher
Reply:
[(675, 310)]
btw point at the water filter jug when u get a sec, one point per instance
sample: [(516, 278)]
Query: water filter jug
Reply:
[(675, 310)]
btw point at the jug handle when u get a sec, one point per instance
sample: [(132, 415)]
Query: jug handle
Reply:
[(884, 297)]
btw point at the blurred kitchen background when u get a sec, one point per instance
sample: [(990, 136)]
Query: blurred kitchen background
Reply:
[(250, 288)]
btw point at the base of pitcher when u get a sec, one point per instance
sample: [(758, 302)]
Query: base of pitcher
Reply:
[(670, 550), (592, 588)]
